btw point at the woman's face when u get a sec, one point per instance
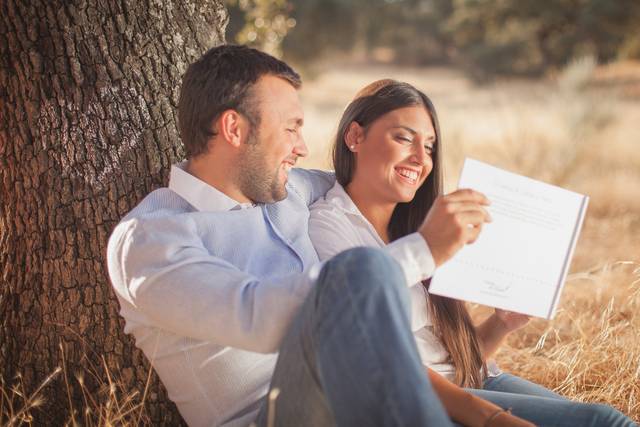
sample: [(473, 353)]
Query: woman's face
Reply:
[(394, 155)]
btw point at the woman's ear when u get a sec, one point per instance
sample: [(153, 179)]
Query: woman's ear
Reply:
[(232, 127), (354, 136)]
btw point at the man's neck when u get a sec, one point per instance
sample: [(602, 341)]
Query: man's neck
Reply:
[(376, 212), (217, 174)]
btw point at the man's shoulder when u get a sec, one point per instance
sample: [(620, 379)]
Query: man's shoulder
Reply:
[(162, 209), (159, 203)]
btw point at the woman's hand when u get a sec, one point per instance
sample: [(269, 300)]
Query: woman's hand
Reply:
[(453, 221), (496, 327), (511, 321)]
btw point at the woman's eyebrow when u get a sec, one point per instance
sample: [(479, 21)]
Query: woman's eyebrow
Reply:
[(407, 128)]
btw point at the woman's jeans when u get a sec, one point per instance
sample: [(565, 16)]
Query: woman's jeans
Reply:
[(546, 408)]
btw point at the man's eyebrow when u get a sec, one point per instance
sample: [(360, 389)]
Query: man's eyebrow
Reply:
[(298, 121)]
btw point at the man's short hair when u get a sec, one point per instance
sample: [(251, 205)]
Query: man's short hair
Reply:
[(220, 80)]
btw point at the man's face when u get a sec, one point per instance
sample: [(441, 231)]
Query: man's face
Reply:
[(272, 149)]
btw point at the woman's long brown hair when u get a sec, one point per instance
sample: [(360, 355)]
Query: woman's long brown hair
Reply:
[(451, 320)]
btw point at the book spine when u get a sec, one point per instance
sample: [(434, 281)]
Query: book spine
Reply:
[(567, 261)]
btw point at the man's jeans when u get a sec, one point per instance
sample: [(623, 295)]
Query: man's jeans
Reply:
[(349, 357)]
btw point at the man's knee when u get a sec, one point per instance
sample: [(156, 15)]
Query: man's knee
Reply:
[(364, 270)]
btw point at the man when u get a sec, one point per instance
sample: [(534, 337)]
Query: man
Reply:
[(216, 273)]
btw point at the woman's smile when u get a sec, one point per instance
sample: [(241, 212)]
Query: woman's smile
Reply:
[(410, 176)]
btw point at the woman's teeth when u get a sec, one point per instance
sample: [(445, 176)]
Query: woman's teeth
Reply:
[(412, 175)]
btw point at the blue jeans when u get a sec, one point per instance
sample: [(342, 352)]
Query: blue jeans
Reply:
[(349, 357), (546, 408)]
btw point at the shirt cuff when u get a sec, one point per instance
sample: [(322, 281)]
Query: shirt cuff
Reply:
[(414, 256)]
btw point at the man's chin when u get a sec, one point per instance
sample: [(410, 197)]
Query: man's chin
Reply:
[(276, 195)]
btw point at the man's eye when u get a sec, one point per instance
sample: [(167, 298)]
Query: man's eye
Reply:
[(292, 130)]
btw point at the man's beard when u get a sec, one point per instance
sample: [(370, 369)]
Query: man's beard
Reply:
[(256, 181)]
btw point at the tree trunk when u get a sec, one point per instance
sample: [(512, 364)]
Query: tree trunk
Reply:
[(88, 92)]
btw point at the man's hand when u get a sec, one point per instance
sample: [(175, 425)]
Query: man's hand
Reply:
[(454, 221)]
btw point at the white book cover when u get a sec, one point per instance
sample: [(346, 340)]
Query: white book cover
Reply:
[(521, 259)]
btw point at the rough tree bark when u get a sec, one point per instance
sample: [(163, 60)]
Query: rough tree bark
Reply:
[(88, 92)]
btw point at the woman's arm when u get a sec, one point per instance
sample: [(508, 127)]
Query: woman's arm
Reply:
[(494, 330), (468, 409)]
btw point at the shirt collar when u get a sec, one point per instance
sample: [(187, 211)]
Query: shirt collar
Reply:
[(339, 198), (199, 194)]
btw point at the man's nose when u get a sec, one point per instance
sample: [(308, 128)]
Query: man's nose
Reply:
[(300, 148)]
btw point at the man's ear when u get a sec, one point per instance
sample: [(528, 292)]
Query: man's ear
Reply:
[(232, 127), (354, 136)]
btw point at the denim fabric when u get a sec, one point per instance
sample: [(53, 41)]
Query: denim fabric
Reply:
[(349, 358), (546, 408)]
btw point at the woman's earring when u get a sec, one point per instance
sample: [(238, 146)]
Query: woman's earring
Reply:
[(351, 147)]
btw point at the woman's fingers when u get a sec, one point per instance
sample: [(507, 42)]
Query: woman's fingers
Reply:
[(469, 206), (468, 195)]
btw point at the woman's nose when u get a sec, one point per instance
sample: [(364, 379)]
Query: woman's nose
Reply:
[(419, 154)]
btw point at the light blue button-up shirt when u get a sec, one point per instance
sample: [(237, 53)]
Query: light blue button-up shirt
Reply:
[(208, 291)]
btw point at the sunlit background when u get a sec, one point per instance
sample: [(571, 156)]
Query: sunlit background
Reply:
[(546, 89)]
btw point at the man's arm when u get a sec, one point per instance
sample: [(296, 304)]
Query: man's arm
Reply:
[(312, 183), (171, 282)]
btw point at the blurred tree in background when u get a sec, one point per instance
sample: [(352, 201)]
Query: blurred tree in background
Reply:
[(259, 23), (484, 37)]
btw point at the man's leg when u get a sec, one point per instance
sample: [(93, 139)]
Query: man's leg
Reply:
[(350, 358)]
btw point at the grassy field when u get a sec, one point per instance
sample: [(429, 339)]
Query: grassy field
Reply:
[(580, 130)]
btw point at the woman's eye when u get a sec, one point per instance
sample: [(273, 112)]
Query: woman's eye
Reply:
[(428, 148), (404, 139)]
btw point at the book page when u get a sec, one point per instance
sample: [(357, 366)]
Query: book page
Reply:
[(521, 259)]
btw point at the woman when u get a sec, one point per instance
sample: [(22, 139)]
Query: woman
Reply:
[(388, 169)]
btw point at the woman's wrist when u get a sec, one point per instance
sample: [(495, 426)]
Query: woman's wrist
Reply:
[(479, 411), (489, 421)]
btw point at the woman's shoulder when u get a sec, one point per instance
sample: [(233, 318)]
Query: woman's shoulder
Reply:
[(335, 203)]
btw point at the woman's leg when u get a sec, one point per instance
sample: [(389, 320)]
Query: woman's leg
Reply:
[(508, 383), (554, 412)]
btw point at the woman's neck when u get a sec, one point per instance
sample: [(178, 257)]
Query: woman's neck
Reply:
[(377, 212)]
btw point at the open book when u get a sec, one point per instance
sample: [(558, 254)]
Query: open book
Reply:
[(521, 259)]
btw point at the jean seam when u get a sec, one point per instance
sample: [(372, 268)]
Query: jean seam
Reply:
[(362, 330)]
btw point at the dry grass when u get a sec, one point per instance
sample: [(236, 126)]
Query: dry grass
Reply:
[(579, 130), (112, 404)]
